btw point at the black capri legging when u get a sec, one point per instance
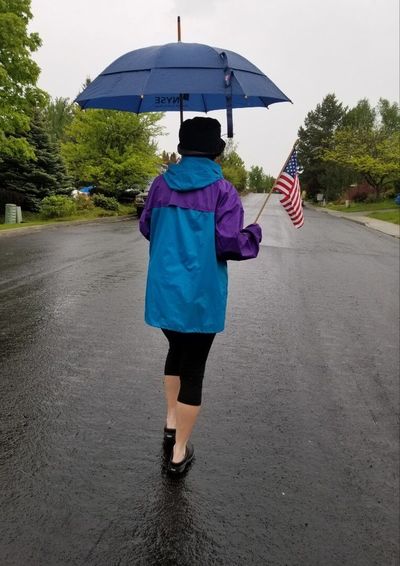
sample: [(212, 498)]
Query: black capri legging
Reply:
[(187, 356)]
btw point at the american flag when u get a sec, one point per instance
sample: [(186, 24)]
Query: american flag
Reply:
[(288, 184)]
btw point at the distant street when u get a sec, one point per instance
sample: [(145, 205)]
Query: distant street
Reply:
[(296, 446)]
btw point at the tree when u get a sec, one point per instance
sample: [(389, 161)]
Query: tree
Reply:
[(269, 182), (256, 179), (389, 115), (259, 181), (42, 175), (233, 167), (361, 117), (369, 144), (314, 138), (58, 114), (18, 76), (111, 149), (168, 158)]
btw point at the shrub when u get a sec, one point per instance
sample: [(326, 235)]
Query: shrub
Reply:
[(390, 193), (108, 203), (57, 206), (359, 193), (84, 203)]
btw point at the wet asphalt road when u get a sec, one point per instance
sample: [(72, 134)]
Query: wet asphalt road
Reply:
[(296, 446)]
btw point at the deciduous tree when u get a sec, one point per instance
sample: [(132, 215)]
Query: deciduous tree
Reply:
[(259, 181), (18, 76), (369, 143), (233, 167), (111, 149), (169, 157), (256, 179), (58, 113)]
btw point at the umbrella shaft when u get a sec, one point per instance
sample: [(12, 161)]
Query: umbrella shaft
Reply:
[(179, 28)]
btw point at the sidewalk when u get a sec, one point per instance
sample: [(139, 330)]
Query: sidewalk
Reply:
[(380, 225), (31, 228)]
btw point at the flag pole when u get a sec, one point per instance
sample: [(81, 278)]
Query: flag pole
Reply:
[(273, 186)]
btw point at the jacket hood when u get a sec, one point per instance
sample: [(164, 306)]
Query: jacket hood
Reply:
[(192, 173)]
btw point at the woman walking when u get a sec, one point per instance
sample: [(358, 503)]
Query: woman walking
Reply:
[(193, 218)]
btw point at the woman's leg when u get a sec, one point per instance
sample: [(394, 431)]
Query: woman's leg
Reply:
[(186, 416), (172, 384), (172, 381), (195, 350)]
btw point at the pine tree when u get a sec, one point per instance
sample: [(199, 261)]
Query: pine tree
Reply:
[(314, 138), (39, 177)]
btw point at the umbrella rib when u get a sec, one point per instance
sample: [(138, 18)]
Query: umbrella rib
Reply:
[(204, 102), (177, 69), (140, 104)]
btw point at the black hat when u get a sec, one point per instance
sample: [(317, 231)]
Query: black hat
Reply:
[(200, 136)]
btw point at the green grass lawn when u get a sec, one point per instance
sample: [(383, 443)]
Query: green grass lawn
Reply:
[(387, 204), (34, 219), (387, 215)]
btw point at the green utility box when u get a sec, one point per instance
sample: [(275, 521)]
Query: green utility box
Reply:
[(11, 214), (19, 215)]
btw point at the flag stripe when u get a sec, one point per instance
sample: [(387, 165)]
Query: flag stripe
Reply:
[(289, 186)]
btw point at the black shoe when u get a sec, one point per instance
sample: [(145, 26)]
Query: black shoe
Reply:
[(169, 434), (180, 467)]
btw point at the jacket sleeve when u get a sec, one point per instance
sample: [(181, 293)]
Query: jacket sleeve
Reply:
[(145, 217), (232, 240)]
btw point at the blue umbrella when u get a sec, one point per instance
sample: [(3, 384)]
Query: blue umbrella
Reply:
[(181, 76), (86, 190)]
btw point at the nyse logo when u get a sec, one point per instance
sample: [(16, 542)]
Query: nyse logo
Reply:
[(170, 100)]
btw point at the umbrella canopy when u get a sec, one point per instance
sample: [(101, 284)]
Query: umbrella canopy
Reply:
[(86, 190), (175, 76)]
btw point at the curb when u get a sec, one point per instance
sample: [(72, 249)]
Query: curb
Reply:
[(378, 225), (26, 229)]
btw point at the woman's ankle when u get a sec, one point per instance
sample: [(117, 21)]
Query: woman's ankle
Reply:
[(171, 419), (179, 453)]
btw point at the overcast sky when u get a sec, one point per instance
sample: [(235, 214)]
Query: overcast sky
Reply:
[(309, 48)]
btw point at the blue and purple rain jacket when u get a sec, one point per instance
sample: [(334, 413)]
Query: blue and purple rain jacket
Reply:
[(193, 218)]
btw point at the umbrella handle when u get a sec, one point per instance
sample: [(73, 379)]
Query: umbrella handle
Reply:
[(181, 107), (228, 84), (229, 116)]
